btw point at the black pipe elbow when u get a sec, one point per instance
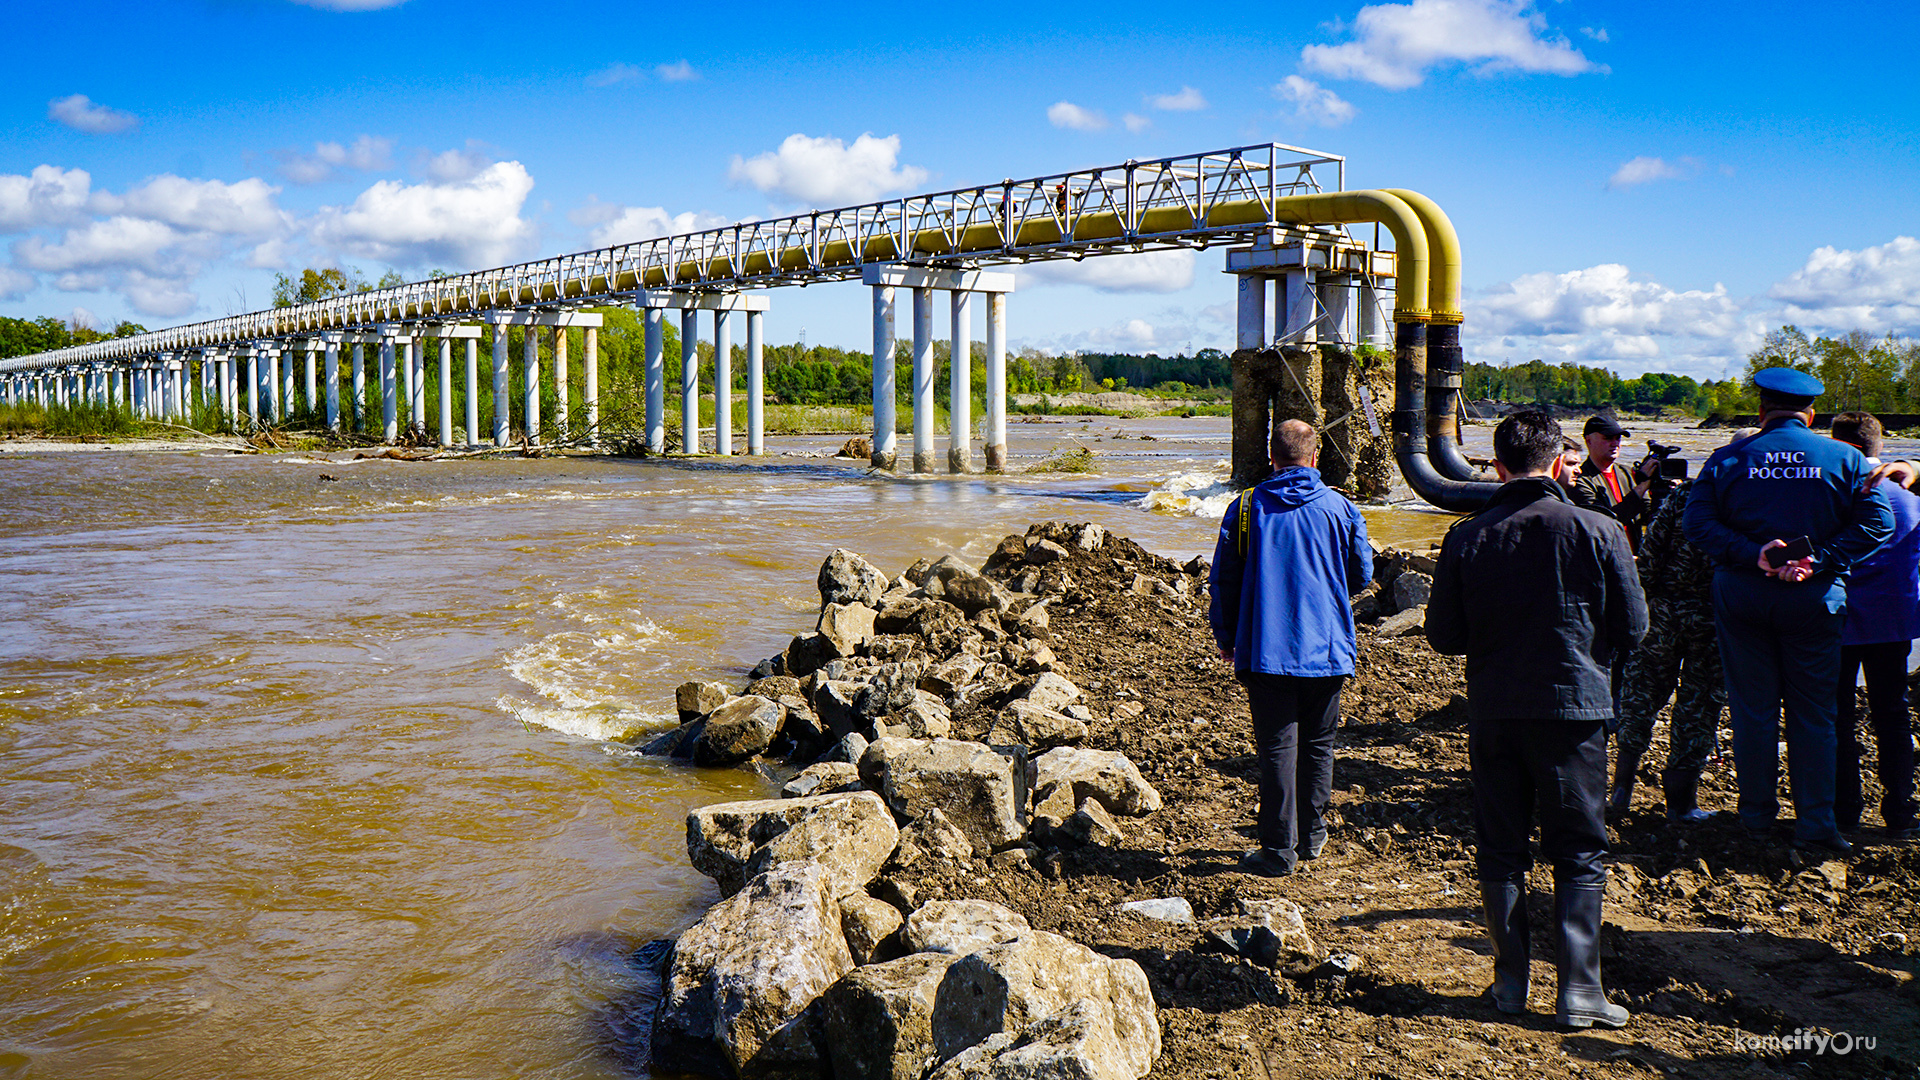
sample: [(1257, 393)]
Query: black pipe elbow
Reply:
[(1411, 443)]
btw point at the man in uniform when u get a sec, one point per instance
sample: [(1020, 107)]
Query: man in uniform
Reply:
[(1291, 553), (1539, 595), (1780, 625), (1603, 484)]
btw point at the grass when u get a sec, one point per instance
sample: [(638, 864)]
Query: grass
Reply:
[(87, 422), (1077, 460)]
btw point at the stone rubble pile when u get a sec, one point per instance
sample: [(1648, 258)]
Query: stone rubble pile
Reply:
[(817, 963), (1395, 602)]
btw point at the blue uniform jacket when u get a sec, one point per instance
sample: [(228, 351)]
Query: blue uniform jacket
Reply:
[(1784, 483), (1283, 607), (1883, 594)]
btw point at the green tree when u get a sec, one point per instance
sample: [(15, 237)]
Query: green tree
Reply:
[(313, 285)]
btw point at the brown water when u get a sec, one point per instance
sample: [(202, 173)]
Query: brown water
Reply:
[(310, 778)]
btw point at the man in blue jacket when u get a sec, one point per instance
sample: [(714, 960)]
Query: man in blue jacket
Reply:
[(1883, 618), (1539, 595), (1291, 553), (1780, 625)]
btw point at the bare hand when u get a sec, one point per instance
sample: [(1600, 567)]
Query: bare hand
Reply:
[(1227, 655), (1793, 572), (1900, 472)]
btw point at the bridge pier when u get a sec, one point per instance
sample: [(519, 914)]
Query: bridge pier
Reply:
[(530, 368), (922, 379), (689, 381), (723, 383), (473, 391), (960, 283), (358, 374), (653, 381), (314, 347), (756, 384), (654, 303), (286, 398), (960, 384), (501, 423), (885, 439), (446, 392), (389, 405), (561, 426), (590, 356), (331, 342)]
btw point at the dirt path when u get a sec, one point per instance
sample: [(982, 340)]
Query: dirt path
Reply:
[(1712, 940)]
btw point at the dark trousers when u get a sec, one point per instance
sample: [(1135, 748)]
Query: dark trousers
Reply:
[(1558, 767), (1780, 646), (1886, 667), (1295, 719)]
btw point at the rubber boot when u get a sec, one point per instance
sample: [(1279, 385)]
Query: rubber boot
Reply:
[(1505, 903), (1623, 774), (1582, 1001), (1682, 786)]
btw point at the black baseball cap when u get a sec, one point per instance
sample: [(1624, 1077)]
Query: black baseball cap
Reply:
[(1604, 425)]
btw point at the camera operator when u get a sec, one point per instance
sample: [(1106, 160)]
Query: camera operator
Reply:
[(1604, 484)]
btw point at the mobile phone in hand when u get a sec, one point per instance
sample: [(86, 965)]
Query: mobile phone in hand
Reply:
[(1798, 548)]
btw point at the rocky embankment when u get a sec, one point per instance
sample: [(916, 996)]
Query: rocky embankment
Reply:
[(1015, 798)]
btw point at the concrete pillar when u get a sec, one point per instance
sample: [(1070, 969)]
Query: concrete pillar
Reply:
[(389, 401), (223, 375), (1372, 329), (177, 374), (1334, 292), (359, 387), (473, 392), (116, 388), (922, 380), (446, 391), (756, 384), (561, 429), (1302, 323), (1250, 324), (885, 442), (409, 388), (960, 383), (530, 365), (253, 385), (287, 388), (996, 382), (689, 382), (723, 383), (591, 358), (273, 385), (416, 353), (314, 346), (654, 380), (502, 422), (332, 342)]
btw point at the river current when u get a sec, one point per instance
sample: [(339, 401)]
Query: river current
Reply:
[(310, 766)]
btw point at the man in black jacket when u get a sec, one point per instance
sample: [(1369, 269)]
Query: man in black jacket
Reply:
[(1539, 595)]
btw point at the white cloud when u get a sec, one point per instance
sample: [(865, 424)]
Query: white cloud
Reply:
[(113, 242), (1602, 315), (1187, 100), (368, 153), (49, 196), (81, 114), (828, 172), (1875, 289), (615, 74), (678, 71), (158, 294), (243, 208), (1395, 45), (473, 222), (16, 284), (350, 5), (1135, 272), (454, 166), (1065, 114), (609, 224), (1598, 34), (1131, 335), (1313, 103), (1644, 170), (80, 316), (1136, 123)]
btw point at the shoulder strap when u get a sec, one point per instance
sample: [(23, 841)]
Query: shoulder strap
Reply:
[(1246, 519)]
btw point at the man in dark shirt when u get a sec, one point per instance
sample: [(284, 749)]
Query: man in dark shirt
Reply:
[(1539, 595), (1605, 485)]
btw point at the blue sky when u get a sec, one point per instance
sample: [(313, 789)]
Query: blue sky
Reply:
[(1644, 186)]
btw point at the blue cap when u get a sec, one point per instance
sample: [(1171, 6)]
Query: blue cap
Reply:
[(1785, 382)]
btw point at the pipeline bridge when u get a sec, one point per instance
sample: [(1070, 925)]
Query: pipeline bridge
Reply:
[(1282, 212)]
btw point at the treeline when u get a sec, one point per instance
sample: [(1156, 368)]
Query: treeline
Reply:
[(1859, 370), (24, 337)]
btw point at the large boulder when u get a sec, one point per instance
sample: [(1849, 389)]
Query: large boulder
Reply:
[(847, 578), (740, 980), (1006, 988), (879, 1019), (850, 836), (959, 927), (738, 730), (1076, 1043), (696, 699), (1035, 727), (973, 784), (868, 924), (1106, 776), (836, 702), (823, 778), (847, 627), (1051, 691), (1411, 590)]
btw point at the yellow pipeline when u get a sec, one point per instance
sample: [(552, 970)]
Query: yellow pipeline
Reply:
[(1443, 289), (1395, 210)]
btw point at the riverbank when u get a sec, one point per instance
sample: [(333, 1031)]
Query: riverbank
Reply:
[(1714, 942)]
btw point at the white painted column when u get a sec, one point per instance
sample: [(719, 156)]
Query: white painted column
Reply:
[(177, 375), (654, 380), (409, 385), (756, 384), (473, 392), (591, 346), (253, 385), (885, 442), (960, 383), (332, 342), (561, 429), (314, 346), (502, 421), (389, 403), (223, 375), (1334, 292), (996, 382), (922, 380), (1302, 322), (1372, 329), (1250, 330), (446, 391), (723, 383), (530, 365), (287, 388), (116, 388), (359, 387), (273, 385), (689, 381), (416, 353)]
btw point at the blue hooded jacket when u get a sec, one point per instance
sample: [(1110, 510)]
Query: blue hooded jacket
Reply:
[(1883, 593), (1283, 607)]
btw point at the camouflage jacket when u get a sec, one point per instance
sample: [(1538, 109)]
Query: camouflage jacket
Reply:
[(1671, 568)]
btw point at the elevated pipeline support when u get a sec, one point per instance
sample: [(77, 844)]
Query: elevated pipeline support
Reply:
[(1412, 420)]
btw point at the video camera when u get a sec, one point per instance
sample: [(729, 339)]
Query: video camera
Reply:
[(1669, 468)]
